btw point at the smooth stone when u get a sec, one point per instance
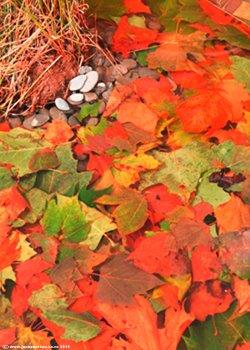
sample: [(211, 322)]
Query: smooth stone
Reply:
[(72, 121), (129, 63), (62, 104), (27, 123), (55, 113), (106, 95), (84, 69), (76, 99), (15, 122), (39, 119), (90, 97), (92, 121), (100, 88), (77, 82), (91, 81)]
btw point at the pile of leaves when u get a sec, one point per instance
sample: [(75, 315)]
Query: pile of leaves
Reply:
[(149, 247), (40, 42)]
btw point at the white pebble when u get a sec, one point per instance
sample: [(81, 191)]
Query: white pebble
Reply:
[(90, 83), (76, 99), (84, 69), (62, 104), (77, 82)]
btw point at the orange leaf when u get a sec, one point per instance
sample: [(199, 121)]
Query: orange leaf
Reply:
[(210, 299), (9, 251), (207, 108), (58, 132), (138, 114), (12, 204), (242, 293), (205, 264), (172, 53), (233, 215), (176, 322), (128, 38), (137, 321)]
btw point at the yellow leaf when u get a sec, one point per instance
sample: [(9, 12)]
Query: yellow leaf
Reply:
[(25, 336), (140, 161), (181, 282), (5, 274), (126, 177), (26, 251)]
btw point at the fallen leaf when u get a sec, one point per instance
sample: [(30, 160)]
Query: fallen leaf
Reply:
[(120, 280), (233, 215), (58, 132), (128, 38)]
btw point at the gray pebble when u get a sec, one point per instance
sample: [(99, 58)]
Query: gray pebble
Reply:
[(72, 121), (15, 122), (62, 104), (90, 96), (76, 99), (106, 95), (36, 121), (129, 63), (100, 88), (84, 69), (77, 82), (27, 123), (55, 113), (90, 83)]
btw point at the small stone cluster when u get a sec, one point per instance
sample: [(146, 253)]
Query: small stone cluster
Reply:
[(89, 86)]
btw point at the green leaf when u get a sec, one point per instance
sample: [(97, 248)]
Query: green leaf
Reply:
[(241, 70), (106, 9), (43, 160), (48, 298), (88, 196), (18, 146), (74, 225), (165, 10), (141, 56), (65, 179), (131, 213), (52, 220), (218, 332), (137, 21), (27, 182), (88, 110), (77, 327), (183, 167), (99, 225), (37, 200), (211, 192), (5, 178), (233, 36)]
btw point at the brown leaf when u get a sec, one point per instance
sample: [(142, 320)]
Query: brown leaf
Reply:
[(120, 280)]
